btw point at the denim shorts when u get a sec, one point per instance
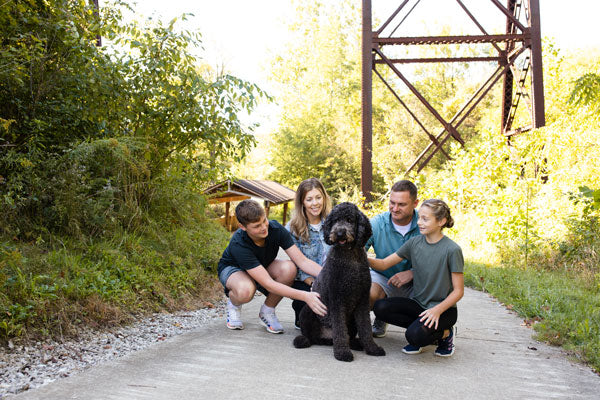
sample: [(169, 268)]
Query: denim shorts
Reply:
[(230, 270), (391, 290)]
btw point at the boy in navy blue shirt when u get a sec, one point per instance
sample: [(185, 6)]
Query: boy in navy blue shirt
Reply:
[(249, 263)]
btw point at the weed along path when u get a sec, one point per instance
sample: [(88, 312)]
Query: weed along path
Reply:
[(495, 359)]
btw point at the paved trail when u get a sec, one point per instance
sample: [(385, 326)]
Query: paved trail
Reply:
[(495, 359)]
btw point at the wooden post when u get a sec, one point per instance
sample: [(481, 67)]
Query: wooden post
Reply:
[(267, 208), (285, 210), (227, 216)]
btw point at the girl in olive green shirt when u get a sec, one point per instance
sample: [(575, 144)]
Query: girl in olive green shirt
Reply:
[(438, 283)]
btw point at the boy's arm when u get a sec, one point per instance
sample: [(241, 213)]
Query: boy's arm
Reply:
[(312, 299), (304, 263)]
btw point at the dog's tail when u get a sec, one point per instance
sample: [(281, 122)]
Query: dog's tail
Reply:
[(301, 342)]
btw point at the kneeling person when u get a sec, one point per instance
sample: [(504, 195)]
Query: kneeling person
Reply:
[(249, 263)]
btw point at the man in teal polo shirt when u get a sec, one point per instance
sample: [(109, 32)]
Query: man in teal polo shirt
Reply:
[(390, 230)]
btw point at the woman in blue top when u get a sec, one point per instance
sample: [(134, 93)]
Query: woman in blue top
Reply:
[(311, 206)]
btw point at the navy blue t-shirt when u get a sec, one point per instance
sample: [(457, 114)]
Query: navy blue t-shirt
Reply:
[(242, 252)]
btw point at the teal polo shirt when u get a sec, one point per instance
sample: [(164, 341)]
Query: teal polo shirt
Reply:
[(387, 240)]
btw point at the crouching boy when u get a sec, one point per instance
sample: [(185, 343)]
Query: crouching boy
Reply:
[(249, 263)]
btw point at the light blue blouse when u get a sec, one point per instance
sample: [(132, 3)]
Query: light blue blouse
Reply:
[(315, 249)]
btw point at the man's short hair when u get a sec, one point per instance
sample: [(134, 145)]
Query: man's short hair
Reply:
[(249, 211), (405, 186)]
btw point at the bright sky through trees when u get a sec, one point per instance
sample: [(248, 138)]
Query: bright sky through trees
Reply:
[(243, 35)]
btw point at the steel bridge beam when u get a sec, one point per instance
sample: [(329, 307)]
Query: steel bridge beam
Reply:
[(519, 38)]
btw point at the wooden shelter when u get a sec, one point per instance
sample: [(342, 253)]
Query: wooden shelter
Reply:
[(270, 192)]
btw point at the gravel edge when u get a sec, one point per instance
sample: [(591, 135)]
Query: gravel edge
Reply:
[(31, 365)]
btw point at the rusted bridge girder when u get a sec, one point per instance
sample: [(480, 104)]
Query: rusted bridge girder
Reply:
[(521, 37)]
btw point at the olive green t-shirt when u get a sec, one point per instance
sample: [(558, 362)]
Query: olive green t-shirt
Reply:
[(432, 266)]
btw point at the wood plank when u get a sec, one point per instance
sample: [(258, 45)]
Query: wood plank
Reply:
[(217, 200)]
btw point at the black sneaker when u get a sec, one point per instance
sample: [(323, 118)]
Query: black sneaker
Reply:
[(446, 346), (379, 328)]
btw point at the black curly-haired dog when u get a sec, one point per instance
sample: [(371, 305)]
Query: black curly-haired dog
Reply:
[(344, 284)]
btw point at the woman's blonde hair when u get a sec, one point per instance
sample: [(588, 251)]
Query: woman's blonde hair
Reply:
[(299, 221), (440, 210)]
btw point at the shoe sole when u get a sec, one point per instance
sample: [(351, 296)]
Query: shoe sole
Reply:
[(235, 328), (444, 355), (379, 335), (412, 352), (270, 330)]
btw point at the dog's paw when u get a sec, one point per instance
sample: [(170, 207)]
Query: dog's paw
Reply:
[(375, 351), (355, 344), (343, 354), (301, 342)]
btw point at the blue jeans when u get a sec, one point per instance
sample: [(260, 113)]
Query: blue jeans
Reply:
[(230, 270)]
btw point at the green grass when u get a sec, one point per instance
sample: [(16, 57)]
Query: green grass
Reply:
[(563, 305), (50, 289)]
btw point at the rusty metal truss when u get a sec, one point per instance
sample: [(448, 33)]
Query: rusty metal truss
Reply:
[(521, 39)]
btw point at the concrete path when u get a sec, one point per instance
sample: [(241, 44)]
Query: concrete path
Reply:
[(495, 359)]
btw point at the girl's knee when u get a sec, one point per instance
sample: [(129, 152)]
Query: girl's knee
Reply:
[(418, 335), (380, 309)]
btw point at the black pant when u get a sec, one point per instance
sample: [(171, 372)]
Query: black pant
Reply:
[(297, 305), (404, 312)]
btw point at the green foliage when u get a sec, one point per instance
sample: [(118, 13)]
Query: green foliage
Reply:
[(319, 80), (103, 152), (587, 92), (321, 156), (87, 133), (52, 288)]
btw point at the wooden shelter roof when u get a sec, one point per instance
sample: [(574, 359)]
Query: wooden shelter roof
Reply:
[(240, 189)]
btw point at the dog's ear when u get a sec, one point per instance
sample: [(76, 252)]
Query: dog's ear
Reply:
[(327, 224), (364, 230)]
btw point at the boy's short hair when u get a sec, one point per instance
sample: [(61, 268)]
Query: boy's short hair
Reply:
[(249, 211), (405, 186)]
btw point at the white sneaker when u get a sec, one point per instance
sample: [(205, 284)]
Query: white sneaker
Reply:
[(270, 321), (234, 316)]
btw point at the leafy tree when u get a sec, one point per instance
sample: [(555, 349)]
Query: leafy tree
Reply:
[(587, 92), (320, 79), (307, 148), (69, 107)]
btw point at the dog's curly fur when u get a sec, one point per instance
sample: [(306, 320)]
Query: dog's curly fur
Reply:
[(344, 285)]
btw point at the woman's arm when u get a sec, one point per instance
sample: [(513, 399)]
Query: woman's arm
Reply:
[(381, 264), (431, 316), (303, 262)]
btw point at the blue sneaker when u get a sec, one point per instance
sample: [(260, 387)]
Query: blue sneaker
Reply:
[(410, 349), (446, 346)]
